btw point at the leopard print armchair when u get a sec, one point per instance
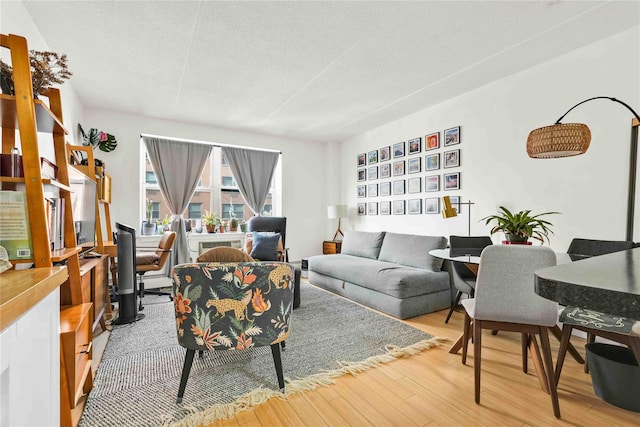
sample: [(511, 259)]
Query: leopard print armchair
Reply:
[(232, 306)]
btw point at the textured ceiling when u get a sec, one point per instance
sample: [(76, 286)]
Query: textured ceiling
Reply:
[(320, 71)]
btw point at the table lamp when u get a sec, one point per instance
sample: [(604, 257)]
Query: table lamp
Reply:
[(448, 211), (572, 139), (337, 211)]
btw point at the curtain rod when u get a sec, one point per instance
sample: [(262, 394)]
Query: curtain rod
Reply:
[(215, 144)]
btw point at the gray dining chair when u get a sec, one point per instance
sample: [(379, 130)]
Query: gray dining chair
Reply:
[(505, 300), (462, 278), (615, 328)]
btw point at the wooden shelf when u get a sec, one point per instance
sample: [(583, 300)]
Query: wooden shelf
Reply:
[(45, 181), (45, 119)]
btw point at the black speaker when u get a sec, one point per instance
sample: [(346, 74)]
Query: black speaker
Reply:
[(127, 285)]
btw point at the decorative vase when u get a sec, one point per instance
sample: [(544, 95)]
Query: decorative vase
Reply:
[(243, 228), (148, 228), (513, 239)]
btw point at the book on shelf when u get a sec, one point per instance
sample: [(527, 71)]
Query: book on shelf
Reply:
[(15, 233), (55, 222)]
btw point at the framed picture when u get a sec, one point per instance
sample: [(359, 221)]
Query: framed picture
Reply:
[(398, 207), (362, 174), (385, 208), (414, 165), (432, 183), (414, 185), (432, 205), (415, 145), (452, 181), (398, 187), (455, 202), (414, 206), (398, 150), (372, 208), (385, 153), (372, 173), (362, 191), (451, 158), (432, 141), (398, 168), (385, 170), (373, 157), (372, 190), (385, 188), (362, 159), (452, 136), (432, 162), (362, 208)]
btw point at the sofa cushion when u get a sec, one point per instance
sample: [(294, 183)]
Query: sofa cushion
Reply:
[(362, 243), (412, 250), (265, 246), (392, 279)]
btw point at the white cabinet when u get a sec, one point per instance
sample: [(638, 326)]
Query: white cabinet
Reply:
[(30, 368)]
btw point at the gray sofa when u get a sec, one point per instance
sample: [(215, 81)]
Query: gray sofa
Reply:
[(390, 272)]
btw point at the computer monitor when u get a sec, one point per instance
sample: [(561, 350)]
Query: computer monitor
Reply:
[(127, 285)]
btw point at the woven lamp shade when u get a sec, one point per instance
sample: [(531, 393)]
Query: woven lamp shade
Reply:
[(559, 140)]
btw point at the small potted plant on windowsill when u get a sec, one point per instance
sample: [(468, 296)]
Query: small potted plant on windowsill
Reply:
[(163, 224), (521, 226), (148, 226), (210, 220)]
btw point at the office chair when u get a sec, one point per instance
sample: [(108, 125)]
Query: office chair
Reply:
[(153, 261)]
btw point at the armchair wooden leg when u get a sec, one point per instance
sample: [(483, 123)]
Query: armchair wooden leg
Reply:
[(186, 368), (548, 368), (275, 351), (477, 357)]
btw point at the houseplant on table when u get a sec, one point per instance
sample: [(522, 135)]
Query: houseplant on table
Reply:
[(520, 226), (211, 220)]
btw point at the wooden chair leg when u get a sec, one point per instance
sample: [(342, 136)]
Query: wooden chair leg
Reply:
[(548, 367), (477, 357), (562, 351), (455, 302), (186, 368), (275, 351), (590, 340), (465, 336), (555, 330), (525, 353), (538, 363)]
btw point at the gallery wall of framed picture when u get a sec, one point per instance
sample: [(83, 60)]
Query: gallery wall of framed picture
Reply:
[(409, 177)]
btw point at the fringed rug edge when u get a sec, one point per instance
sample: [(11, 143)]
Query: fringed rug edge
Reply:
[(299, 385)]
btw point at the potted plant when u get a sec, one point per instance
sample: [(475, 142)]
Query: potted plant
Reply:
[(148, 226), (521, 226), (243, 226), (47, 68), (163, 224), (210, 220)]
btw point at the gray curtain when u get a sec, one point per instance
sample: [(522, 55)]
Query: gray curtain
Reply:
[(253, 171), (178, 166)]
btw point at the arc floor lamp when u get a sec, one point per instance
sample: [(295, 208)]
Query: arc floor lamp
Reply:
[(572, 139)]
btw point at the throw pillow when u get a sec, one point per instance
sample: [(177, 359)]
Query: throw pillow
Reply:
[(248, 242), (265, 246)]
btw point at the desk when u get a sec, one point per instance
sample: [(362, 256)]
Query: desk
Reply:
[(607, 283)]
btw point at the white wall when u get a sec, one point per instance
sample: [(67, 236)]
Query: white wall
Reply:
[(303, 173), (589, 190), (14, 19)]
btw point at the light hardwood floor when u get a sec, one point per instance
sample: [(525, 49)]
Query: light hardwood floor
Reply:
[(435, 389)]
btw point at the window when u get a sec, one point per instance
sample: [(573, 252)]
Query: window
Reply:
[(217, 191), (194, 210)]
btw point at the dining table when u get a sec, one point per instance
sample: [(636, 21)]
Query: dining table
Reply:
[(607, 283)]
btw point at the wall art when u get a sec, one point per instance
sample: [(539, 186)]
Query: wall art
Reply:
[(452, 136)]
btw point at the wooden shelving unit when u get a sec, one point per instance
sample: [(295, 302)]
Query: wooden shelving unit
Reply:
[(29, 116)]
